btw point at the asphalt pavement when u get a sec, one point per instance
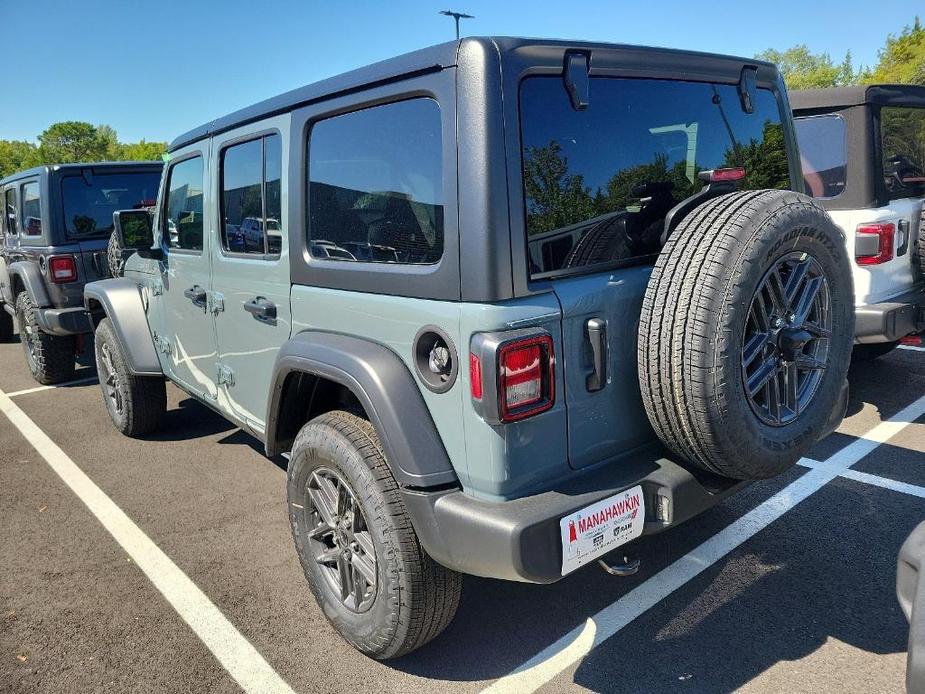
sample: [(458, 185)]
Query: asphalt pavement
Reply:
[(788, 585)]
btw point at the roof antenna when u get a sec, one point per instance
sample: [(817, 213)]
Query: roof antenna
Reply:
[(457, 16)]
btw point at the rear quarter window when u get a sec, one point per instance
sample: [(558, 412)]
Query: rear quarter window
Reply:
[(823, 154), (599, 182), (902, 146), (31, 209)]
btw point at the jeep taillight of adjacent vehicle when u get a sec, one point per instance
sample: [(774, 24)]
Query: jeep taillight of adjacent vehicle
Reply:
[(863, 157), (513, 305), (55, 225)]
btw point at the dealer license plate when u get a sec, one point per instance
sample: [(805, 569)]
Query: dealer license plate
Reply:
[(597, 529)]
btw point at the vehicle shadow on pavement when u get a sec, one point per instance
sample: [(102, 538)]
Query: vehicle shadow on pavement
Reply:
[(189, 420)]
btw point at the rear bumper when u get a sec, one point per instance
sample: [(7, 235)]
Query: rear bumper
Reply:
[(892, 320), (520, 540), (64, 321)]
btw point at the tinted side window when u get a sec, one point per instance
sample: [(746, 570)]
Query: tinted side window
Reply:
[(823, 154), (902, 138), (9, 210), (31, 209), (251, 208), (599, 182), (375, 185), (90, 199), (182, 227)]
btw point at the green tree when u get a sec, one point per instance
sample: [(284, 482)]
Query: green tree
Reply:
[(557, 198), (74, 141), (16, 155), (140, 151), (764, 161), (902, 59), (803, 69)]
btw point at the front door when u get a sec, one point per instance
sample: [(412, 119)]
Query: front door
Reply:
[(250, 260), (183, 329)]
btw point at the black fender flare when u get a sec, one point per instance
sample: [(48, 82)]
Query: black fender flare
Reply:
[(29, 273), (386, 389), (121, 301)]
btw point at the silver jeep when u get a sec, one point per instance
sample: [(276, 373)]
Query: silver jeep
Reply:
[(521, 302)]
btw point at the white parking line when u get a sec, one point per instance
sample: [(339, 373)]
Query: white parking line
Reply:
[(39, 389), (874, 480), (233, 651), (913, 348), (576, 644)]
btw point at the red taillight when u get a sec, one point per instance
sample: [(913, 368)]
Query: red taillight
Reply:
[(475, 377), (62, 268), (885, 234), (911, 340), (525, 378), (732, 174)]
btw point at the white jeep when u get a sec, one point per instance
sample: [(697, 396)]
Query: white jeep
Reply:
[(863, 155)]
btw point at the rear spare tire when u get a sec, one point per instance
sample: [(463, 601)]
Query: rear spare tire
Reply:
[(746, 332)]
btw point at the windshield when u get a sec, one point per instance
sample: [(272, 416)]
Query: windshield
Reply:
[(599, 182), (89, 201)]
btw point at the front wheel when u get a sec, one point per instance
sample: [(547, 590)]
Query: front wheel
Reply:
[(372, 579), (51, 358), (136, 404)]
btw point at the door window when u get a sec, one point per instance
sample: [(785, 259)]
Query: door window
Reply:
[(183, 221), (375, 185), (251, 206), (31, 209), (9, 210)]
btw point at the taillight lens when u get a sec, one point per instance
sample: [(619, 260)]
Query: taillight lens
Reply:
[(475, 377), (525, 378), (62, 268), (885, 234)]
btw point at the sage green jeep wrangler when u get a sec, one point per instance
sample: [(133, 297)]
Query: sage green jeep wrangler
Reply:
[(507, 305)]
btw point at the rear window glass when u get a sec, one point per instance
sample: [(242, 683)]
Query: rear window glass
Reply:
[(599, 182), (90, 199), (902, 136), (31, 209), (375, 185), (823, 154)]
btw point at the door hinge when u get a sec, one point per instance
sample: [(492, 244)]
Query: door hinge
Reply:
[(216, 303), (162, 344), (225, 376)]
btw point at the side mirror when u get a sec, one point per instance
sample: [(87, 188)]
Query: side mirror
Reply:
[(135, 232)]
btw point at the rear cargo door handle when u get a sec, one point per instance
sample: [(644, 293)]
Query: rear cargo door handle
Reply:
[(597, 336), (196, 294), (262, 309)]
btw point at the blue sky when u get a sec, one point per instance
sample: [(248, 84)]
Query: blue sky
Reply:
[(156, 69)]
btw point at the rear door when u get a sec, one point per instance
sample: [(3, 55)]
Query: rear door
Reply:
[(250, 259), (598, 183)]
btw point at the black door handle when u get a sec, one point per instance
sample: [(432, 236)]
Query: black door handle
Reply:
[(196, 294), (262, 309), (597, 336)]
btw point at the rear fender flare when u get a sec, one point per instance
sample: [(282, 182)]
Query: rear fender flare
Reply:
[(386, 389), (30, 276), (120, 299)]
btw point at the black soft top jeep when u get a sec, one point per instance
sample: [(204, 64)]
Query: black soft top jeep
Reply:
[(55, 228)]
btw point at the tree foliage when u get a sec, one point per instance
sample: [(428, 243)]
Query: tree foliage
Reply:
[(902, 59), (74, 141), (803, 69)]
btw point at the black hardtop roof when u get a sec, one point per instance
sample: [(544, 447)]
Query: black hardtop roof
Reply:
[(417, 62), (844, 97), (49, 168)]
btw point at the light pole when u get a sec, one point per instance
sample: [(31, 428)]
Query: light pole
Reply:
[(457, 16)]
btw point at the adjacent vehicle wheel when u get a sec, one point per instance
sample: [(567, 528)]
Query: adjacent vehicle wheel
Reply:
[(51, 358), (872, 351), (6, 325), (136, 404), (746, 333), (115, 256), (371, 577)]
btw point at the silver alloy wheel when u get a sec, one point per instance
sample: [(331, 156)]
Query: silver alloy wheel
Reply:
[(786, 343), (110, 380), (340, 540)]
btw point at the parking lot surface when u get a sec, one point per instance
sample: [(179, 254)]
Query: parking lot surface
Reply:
[(167, 565)]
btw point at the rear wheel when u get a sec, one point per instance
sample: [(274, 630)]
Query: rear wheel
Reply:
[(374, 582), (746, 331), (136, 404), (51, 358)]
